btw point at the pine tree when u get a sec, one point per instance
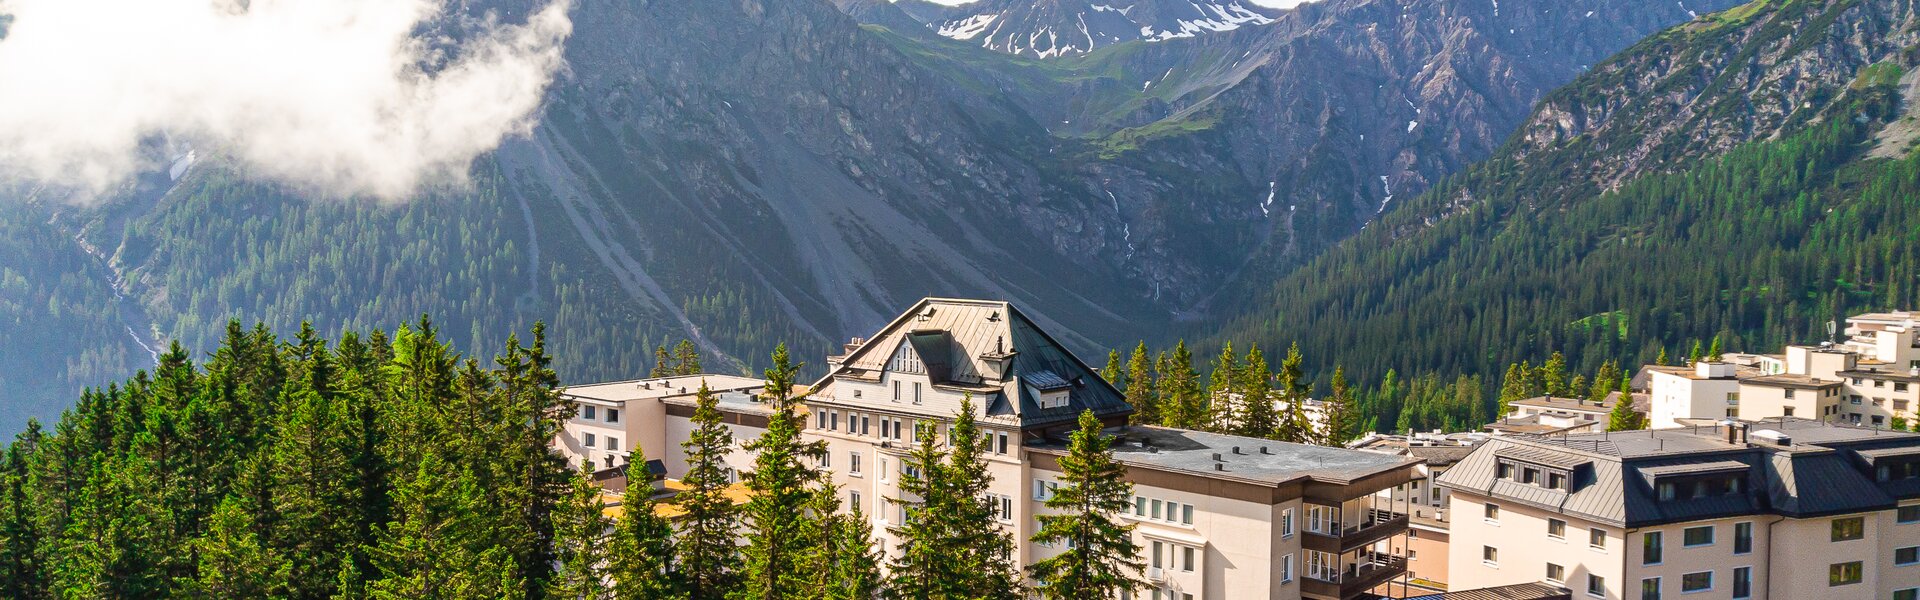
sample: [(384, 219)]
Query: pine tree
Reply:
[(1662, 359), (686, 358), (235, 562), (1603, 382), (1714, 353), (1100, 560), (1341, 414), (314, 481), (1255, 417), (662, 363), (1622, 417), (1694, 355), (1112, 372), (580, 543), (705, 546), (782, 485), (21, 574), (1141, 392), (641, 560), (1224, 379), (925, 567)]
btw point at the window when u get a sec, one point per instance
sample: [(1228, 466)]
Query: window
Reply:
[(896, 398), (1187, 559), (820, 420), (904, 360), (1493, 512), (1696, 582), (1286, 523), (1596, 586), (1907, 594), (1846, 573), (1490, 555), (1742, 538), (1556, 481), (586, 439), (1556, 573), (1597, 537), (1186, 514), (613, 443), (1506, 471), (1786, 411), (587, 412), (1906, 556), (826, 460), (866, 425), (1557, 528), (1157, 547), (1908, 514), (853, 501), (1697, 536), (886, 428), (853, 463), (883, 468), (613, 415), (1652, 542), (1849, 528), (1157, 504), (1139, 502), (1650, 588), (1003, 442), (916, 392), (1286, 569), (1743, 582)]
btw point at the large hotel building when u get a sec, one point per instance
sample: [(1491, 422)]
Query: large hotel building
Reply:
[(1218, 517)]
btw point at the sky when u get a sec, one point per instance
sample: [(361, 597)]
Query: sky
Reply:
[(335, 95)]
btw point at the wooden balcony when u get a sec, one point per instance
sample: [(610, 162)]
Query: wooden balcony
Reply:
[(1378, 525), (1356, 578)]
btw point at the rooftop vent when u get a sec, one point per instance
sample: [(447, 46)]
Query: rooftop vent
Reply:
[(1216, 456), (1773, 437), (1236, 449), (1219, 466), (1266, 450)]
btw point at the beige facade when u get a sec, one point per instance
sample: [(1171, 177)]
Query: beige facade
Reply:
[(1803, 509), (1872, 379), (612, 419)]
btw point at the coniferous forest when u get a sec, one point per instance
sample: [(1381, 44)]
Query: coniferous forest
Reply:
[(392, 466)]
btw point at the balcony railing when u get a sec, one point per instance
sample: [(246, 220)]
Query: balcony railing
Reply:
[(1356, 578), (1377, 525)]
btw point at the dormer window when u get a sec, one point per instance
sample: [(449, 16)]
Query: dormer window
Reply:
[(1538, 468), (905, 361)]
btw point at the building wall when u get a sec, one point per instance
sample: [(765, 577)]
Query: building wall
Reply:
[(573, 439), (1719, 557), (1766, 402), (1525, 549), (681, 429), (1676, 397)]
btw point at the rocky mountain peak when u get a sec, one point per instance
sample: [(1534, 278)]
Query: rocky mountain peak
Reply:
[(1051, 28)]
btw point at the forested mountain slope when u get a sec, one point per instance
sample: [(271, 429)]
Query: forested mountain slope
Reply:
[(1748, 174), (779, 172)]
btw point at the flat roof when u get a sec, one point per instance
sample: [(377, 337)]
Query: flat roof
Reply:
[(660, 387), (1792, 381), (1570, 404), (1259, 460)]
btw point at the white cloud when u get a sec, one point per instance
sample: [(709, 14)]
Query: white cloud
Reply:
[(330, 94)]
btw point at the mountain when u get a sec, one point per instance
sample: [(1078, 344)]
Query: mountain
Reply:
[(786, 173), (1050, 28), (1748, 174)]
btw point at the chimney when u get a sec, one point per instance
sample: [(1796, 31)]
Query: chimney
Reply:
[(1266, 450), (1219, 466), (1216, 457), (1236, 449)]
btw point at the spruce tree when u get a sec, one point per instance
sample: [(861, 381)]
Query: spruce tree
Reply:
[(1140, 392), (1662, 358), (1512, 389), (437, 545), (1295, 390), (1224, 379), (662, 363), (1553, 375), (1255, 416), (782, 484), (1694, 355), (1714, 353), (1112, 372), (1100, 559), (1181, 398), (314, 482), (580, 543), (925, 567), (640, 558), (705, 547), (21, 574), (1622, 417), (854, 573), (985, 552), (686, 358), (236, 562), (1341, 412)]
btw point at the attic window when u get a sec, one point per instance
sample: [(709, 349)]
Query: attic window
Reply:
[(1542, 476), (905, 361)]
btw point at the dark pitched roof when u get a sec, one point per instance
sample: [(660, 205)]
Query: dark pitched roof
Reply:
[(1523, 591), (1826, 470)]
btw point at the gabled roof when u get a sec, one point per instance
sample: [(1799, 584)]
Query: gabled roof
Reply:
[(959, 340)]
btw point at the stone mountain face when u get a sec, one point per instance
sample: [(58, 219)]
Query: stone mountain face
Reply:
[(1050, 28), (782, 172)]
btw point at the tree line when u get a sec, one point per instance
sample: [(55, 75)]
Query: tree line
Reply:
[(391, 466)]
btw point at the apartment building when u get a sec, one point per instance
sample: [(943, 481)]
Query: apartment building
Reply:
[(1428, 536), (655, 415), (1218, 516), (1785, 508), (1872, 378)]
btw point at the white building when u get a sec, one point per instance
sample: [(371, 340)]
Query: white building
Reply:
[(1869, 379)]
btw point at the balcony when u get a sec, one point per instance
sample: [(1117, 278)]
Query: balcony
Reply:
[(1376, 524), (1356, 578)]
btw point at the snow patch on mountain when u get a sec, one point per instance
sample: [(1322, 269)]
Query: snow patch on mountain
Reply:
[(1063, 27)]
